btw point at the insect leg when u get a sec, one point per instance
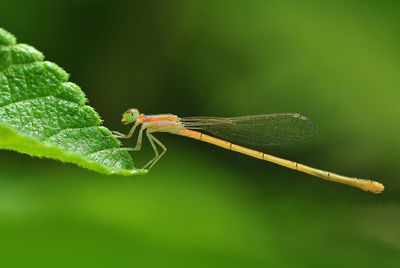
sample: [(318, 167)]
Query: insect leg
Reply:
[(152, 139), (138, 142), (119, 135)]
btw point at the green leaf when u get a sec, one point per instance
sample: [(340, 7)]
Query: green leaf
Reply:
[(42, 114)]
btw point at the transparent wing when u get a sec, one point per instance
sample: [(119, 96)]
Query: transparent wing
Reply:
[(257, 130)]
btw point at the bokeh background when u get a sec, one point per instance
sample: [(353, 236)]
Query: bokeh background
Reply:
[(337, 62)]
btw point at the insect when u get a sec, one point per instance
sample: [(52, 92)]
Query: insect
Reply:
[(256, 130)]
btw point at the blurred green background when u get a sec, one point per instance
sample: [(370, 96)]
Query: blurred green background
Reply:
[(202, 206)]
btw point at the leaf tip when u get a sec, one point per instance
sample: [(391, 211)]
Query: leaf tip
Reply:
[(7, 38), (72, 92), (23, 53), (56, 70)]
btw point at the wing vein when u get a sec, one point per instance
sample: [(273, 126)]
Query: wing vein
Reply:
[(257, 130)]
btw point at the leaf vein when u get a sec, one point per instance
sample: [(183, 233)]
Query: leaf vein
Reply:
[(18, 64), (107, 149), (40, 97), (68, 128)]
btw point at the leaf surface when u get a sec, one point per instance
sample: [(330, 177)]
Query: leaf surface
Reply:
[(43, 114)]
